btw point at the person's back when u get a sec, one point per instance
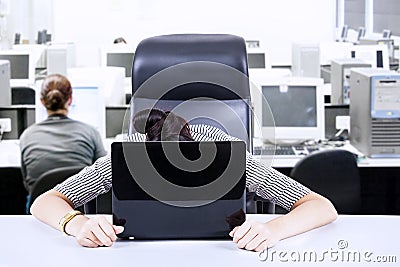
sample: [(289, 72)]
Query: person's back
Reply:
[(58, 141)]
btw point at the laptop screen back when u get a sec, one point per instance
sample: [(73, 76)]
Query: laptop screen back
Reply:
[(158, 195)]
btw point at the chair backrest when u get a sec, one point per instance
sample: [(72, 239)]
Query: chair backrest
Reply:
[(50, 179), (201, 77), (333, 174), (12, 191)]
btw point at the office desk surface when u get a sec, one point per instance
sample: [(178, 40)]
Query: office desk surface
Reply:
[(10, 154), (289, 162), (365, 239)]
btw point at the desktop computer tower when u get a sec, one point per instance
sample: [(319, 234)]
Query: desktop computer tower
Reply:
[(340, 78), (306, 60), (375, 112), (5, 90)]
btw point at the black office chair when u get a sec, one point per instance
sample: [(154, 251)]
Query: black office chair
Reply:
[(12, 191), (22, 96), (50, 179), (333, 174), (201, 77)]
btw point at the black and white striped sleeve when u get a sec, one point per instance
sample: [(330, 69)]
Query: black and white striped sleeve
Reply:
[(92, 181), (272, 185), (265, 181)]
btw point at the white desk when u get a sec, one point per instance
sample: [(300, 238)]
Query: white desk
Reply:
[(290, 161), (282, 162), (10, 155), (28, 242)]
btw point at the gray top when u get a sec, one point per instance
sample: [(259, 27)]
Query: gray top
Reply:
[(264, 181), (58, 142)]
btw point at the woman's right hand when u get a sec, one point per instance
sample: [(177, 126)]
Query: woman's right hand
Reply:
[(94, 232)]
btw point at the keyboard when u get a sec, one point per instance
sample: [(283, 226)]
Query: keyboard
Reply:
[(285, 150)]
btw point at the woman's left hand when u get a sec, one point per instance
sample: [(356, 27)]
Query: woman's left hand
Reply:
[(254, 235)]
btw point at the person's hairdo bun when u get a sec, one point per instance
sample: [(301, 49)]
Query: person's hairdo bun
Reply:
[(54, 99)]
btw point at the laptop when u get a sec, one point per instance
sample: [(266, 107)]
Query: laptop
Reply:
[(178, 190)]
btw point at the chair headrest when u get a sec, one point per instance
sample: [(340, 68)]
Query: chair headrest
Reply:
[(194, 65)]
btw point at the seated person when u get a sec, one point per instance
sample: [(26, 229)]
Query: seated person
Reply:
[(308, 210), (57, 141)]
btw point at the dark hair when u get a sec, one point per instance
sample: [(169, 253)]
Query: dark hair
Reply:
[(56, 91), (161, 126), (119, 40)]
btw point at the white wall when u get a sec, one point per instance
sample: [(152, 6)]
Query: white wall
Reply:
[(27, 17), (93, 23)]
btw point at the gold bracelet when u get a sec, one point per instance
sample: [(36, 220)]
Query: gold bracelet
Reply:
[(67, 217)]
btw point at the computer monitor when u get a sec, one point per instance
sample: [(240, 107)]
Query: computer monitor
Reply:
[(87, 106), (22, 67), (121, 60), (256, 59), (376, 55), (118, 55), (289, 110), (110, 80)]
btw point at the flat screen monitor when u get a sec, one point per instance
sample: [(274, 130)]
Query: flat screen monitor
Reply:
[(256, 60), (376, 55), (121, 60), (22, 67), (118, 55), (110, 80), (87, 106), (290, 110)]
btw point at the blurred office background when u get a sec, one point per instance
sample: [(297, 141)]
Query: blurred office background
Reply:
[(91, 24)]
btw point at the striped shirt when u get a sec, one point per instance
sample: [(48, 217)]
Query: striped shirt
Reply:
[(265, 181)]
